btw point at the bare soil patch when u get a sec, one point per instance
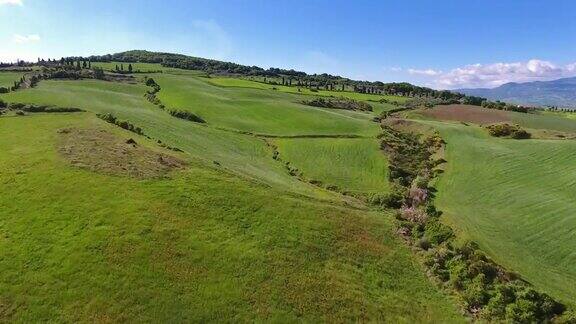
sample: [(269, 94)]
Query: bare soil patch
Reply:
[(101, 151), (467, 114)]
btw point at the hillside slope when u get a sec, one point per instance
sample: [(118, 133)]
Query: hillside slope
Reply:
[(229, 236), (516, 199)]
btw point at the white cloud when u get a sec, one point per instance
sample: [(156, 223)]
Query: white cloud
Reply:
[(11, 2), (496, 74), (427, 72), (23, 39)]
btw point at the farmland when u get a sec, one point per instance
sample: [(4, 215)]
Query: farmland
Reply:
[(228, 233), (353, 164), (177, 182), (514, 198)]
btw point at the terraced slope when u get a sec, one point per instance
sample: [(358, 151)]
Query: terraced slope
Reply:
[(517, 199), (199, 245)]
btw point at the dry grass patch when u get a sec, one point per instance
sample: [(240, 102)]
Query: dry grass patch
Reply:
[(101, 151)]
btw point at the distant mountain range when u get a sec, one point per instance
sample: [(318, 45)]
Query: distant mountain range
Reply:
[(560, 93)]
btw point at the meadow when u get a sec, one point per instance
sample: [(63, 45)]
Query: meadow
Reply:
[(355, 165), (199, 245), (7, 79), (372, 98), (241, 154), (516, 199), (257, 111)]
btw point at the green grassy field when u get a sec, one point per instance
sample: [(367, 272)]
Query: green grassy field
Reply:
[(257, 111), (544, 121), (200, 246), (137, 67), (242, 83), (241, 154), (517, 200), (7, 79), (355, 165)]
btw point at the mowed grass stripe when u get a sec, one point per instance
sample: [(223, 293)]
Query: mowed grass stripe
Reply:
[(254, 110), (353, 165), (517, 199)]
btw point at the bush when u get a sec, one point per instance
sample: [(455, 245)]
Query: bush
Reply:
[(393, 199), (341, 103), (16, 105), (4, 90), (521, 134), (150, 82), (99, 74), (109, 118), (436, 232), (503, 130), (187, 116), (3, 104)]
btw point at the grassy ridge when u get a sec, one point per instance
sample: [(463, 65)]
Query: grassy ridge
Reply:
[(516, 199), (253, 110), (355, 165), (78, 246)]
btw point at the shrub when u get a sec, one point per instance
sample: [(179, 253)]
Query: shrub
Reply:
[(393, 199), (150, 82), (109, 118), (341, 103), (99, 74), (4, 90), (3, 104), (437, 233), (476, 295), (521, 134), (16, 105), (187, 116), (502, 130), (414, 215), (424, 244)]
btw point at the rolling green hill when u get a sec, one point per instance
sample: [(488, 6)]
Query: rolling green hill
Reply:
[(270, 210), (516, 199), (198, 244), (257, 110)]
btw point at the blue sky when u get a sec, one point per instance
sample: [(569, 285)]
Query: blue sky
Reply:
[(442, 44)]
